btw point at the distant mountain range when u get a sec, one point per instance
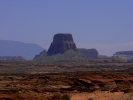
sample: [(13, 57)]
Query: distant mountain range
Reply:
[(15, 48)]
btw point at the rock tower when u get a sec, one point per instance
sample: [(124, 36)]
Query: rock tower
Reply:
[(62, 42)]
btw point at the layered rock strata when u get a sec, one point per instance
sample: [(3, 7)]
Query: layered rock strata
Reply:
[(62, 48), (127, 55), (88, 53), (61, 43)]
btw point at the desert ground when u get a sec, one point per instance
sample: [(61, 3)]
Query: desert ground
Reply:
[(78, 85), (84, 80)]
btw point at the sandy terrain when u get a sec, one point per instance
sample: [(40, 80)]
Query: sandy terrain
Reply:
[(104, 95), (80, 85)]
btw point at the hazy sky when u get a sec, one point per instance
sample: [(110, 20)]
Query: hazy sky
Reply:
[(106, 25)]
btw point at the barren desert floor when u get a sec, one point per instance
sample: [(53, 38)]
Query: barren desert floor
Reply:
[(102, 95), (79, 86), (84, 80)]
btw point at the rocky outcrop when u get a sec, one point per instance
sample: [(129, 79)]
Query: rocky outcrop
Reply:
[(127, 55), (62, 48), (88, 53), (61, 43), (124, 53)]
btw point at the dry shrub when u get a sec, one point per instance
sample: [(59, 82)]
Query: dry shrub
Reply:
[(58, 96)]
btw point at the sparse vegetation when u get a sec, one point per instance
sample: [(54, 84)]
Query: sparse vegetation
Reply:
[(90, 99), (58, 96), (67, 56), (66, 97), (28, 79)]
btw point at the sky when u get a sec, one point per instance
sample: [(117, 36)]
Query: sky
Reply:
[(106, 25)]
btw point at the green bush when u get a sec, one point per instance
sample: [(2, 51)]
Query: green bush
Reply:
[(66, 97), (90, 99), (56, 96), (60, 97)]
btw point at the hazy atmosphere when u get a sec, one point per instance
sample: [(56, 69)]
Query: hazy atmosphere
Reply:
[(106, 25)]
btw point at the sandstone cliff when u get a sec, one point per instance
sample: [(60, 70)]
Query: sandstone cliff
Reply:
[(61, 43), (124, 53), (62, 48), (127, 55), (88, 53)]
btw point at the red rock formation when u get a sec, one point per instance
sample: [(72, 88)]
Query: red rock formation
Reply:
[(61, 43), (88, 53)]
